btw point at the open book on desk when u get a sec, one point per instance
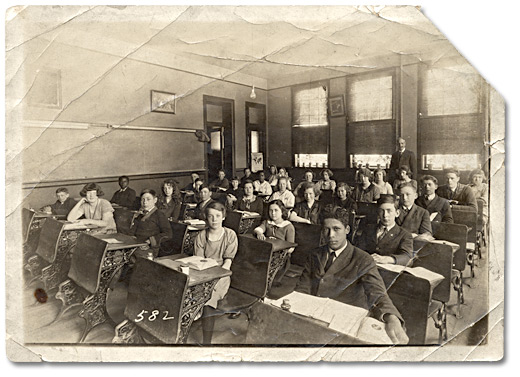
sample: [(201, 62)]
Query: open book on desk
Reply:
[(346, 319), (420, 272), (248, 214), (198, 263), (195, 222)]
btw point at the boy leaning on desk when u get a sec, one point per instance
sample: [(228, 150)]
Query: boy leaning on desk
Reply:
[(348, 274)]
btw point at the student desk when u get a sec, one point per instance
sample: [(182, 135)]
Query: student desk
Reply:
[(32, 223), (94, 264), (271, 325), (248, 221), (176, 297), (278, 257), (58, 255), (189, 240)]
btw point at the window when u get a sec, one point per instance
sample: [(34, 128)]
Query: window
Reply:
[(310, 131), (456, 161), (370, 99), (372, 161), (451, 90)]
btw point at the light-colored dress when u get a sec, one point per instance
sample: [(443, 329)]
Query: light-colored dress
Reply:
[(96, 211), (385, 188), (482, 193), (324, 185), (223, 248)]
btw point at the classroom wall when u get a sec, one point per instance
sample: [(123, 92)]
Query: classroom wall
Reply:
[(100, 89), (338, 127), (279, 120)]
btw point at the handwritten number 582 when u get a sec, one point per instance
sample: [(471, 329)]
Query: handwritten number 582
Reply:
[(153, 316)]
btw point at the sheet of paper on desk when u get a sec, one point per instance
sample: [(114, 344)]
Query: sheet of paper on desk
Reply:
[(195, 222), (198, 263), (373, 331), (247, 213), (112, 240), (303, 304), (419, 272), (347, 319)]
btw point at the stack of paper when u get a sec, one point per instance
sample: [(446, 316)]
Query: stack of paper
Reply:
[(419, 272)]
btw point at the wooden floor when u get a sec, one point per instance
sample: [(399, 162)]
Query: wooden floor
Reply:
[(39, 328)]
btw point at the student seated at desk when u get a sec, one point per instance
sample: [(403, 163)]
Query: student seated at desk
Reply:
[(480, 190), (205, 200), (191, 186), (63, 204), (125, 197), (433, 203), (404, 175), (284, 194), (411, 217), (262, 187), (343, 198), (308, 176), (456, 192), (366, 191), (309, 210), (169, 202), (97, 211), (249, 202), (282, 173), (273, 177), (277, 227), (221, 183), (387, 241), (234, 193), (221, 244), (247, 177), (380, 182), (150, 225), (348, 274), (325, 183)]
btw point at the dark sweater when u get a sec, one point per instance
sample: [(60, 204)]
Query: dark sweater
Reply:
[(125, 198), (156, 228), (63, 209)]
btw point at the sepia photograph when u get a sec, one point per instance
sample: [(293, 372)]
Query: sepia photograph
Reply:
[(280, 183)]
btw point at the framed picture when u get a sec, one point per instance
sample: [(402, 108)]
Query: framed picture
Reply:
[(162, 102), (336, 106), (46, 89)]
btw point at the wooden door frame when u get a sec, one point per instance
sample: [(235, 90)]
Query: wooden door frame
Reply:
[(219, 100), (249, 128)]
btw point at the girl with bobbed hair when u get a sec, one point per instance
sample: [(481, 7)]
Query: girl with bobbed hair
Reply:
[(325, 183), (366, 191), (480, 189), (97, 211), (404, 175), (381, 183)]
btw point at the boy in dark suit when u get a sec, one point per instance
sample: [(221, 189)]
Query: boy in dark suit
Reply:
[(411, 217), (456, 192), (432, 202), (387, 241), (205, 199), (403, 157), (125, 197), (63, 203), (347, 274)]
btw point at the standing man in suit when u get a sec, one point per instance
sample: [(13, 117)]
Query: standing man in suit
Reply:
[(387, 241), (125, 197), (456, 192), (347, 274), (411, 217), (402, 157), (432, 202)]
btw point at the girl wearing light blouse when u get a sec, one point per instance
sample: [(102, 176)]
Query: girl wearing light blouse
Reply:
[(381, 183)]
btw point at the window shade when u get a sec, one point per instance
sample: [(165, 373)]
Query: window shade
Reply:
[(370, 99), (310, 106)]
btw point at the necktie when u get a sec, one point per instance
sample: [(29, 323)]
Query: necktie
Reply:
[(405, 211), (383, 233), (330, 260)]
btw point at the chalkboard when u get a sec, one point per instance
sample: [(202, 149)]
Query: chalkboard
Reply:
[(98, 152), (372, 137)]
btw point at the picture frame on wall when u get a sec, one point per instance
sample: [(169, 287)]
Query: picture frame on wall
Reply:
[(46, 89), (162, 102), (337, 106)]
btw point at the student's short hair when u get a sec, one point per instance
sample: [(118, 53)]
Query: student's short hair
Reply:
[(367, 173), (247, 169), (407, 184), (283, 179), (452, 171), (406, 169), (235, 178), (249, 181), (477, 172), (203, 186), (347, 187), (91, 187), (388, 198), (279, 203), (429, 178), (308, 171), (308, 185), (216, 205), (124, 177), (62, 189), (337, 213), (260, 172), (222, 170), (148, 191), (379, 170), (328, 171), (198, 180)]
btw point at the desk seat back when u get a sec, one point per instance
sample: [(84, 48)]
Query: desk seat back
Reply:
[(27, 219), (456, 233), (123, 218), (86, 263), (369, 210), (326, 197), (251, 266), (437, 258), (233, 220), (49, 239), (156, 287), (468, 218), (176, 243), (411, 296), (308, 237)]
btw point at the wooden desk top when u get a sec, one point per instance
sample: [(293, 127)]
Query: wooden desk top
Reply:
[(40, 214), (125, 241), (249, 215), (194, 227), (419, 244), (276, 243), (199, 277), (69, 225)]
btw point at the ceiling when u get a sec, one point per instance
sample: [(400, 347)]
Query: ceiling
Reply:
[(269, 46)]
